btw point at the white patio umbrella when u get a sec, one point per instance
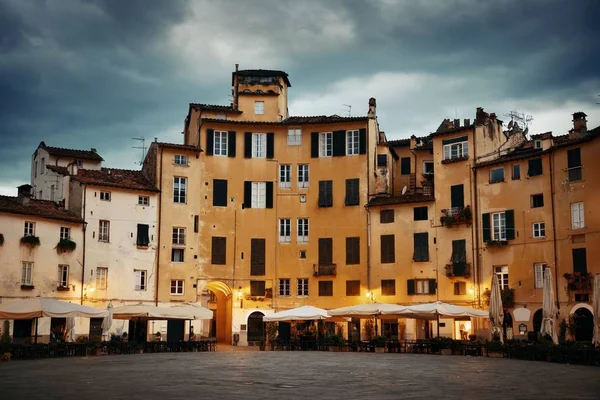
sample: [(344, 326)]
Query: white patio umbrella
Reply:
[(195, 310), (149, 312), (596, 310), (108, 320), (368, 310), (548, 308), (70, 328), (304, 313), (496, 308), (37, 307)]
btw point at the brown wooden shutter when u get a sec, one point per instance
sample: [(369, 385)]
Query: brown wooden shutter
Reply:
[(314, 145), (210, 142), (325, 251), (231, 144), (257, 257), (219, 250), (352, 250)]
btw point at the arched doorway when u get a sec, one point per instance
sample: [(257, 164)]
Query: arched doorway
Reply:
[(537, 320), (256, 327), (220, 302), (507, 326), (584, 325)]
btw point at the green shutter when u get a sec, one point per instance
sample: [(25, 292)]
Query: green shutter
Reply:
[(247, 144), (339, 143), (270, 145), (487, 229), (410, 286), (432, 286), (231, 144), (247, 194), (510, 224), (362, 141), (314, 145), (210, 142), (269, 195)]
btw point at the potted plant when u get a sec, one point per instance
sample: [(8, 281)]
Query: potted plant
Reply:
[(442, 345), (65, 245), (6, 357), (369, 329), (335, 342), (272, 329), (379, 342), (30, 241), (157, 336), (495, 348)]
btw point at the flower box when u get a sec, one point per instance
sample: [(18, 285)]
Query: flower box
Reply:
[(30, 241), (65, 246)]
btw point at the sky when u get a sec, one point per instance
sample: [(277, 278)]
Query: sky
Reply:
[(97, 73)]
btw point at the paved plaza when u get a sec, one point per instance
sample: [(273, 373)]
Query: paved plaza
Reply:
[(307, 375)]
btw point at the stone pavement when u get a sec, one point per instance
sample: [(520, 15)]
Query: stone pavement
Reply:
[(289, 375)]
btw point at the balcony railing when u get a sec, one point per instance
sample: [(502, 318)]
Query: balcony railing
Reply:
[(458, 269), (325, 269), (578, 282), (457, 215)]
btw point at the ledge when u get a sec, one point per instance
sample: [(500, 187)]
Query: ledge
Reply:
[(453, 160), (63, 288), (27, 287)]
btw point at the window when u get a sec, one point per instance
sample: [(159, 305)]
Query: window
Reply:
[(42, 166), (326, 144), (302, 287), (539, 229), (428, 167), (294, 137), (580, 261), (388, 287), (101, 278), (105, 196), (196, 223), (352, 139), (259, 195), (65, 233), (302, 230), (499, 226), (537, 200), (386, 216), (143, 235), (325, 193), (140, 280), (456, 150), (179, 236), (259, 145), (497, 175), (303, 175), (27, 273), (259, 107), (285, 178), (388, 252), (460, 288), (423, 286), (420, 213), (177, 255), (143, 200), (535, 167), (516, 172), (352, 192), (421, 247), (285, 230), (577, 216), (537, 144), (219, 193), (35, 169), (51, 192), (284, 287), (325, 288), (177, 287), (302, 254), (179, 189), (40, 195), (352, 250), (405, 166), (63, 276), (180, 159), (325, 251), (538, 270), (29, 229), (104, 231), (502, 273), (220, 143), (79, 163), (257, 288), (381, 160), (219, 250), (257, 257), (352, 288), (574, 165), (221, 116)]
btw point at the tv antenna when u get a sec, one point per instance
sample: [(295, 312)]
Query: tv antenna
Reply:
[(348, 109), (142, 147), (518, 121)]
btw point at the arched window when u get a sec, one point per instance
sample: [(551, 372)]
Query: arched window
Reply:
[(256, 327)]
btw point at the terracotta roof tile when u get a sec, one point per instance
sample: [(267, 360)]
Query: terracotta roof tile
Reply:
[(117, 178), (399, 142), (403, 199), (37, 208), (176, 146), (58, 170), (303, 120), (214, 107), (262, 73), (71, 153)]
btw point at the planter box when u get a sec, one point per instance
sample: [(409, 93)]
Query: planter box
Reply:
[(379, 349), (333, 348), (139, 351), (495, 354), (446, 352)]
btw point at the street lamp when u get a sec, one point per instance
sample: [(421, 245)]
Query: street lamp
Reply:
[(371, 296)]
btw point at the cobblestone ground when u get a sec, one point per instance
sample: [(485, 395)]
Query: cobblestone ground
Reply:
[(306, 375)]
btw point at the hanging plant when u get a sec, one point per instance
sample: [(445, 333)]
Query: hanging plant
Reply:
[(1, 239), (30, 241), (65, 245)]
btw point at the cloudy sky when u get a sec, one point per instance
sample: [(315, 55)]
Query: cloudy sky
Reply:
[(93, 73)]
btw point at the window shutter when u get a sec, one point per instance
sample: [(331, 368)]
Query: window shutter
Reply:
[(270, 145), (329, 193), (580, 261), (269, 195), (352, 250), (539, 276), (231, 144), (362, 141), (322, 193), (535, 167), (457, 196), (574, 158), (143, 239), (421, 246), (405, 166), (432, 287), (219, 193), (257, 257), (410, 286), (456, 288), (351, 192), (219, 250), (339, 143), (247, 194), (510, 224), (487, 229), (314, 144), (325, 251), (247, 144), (210, 142), (459, 251), (196, 223)]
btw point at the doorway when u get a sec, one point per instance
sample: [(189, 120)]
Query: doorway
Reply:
[(390, 329), (22, 330), (354, 330), (175, 330), (138, 330), (584, 325), (256, 327), (507, 326), (537, 320), (95, 333)]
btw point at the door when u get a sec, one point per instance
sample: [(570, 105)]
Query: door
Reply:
[(537, 320), (138, 330), (457, 196), (22, 330), (57, 328), (95, 333), (584, 325), (256, 327), (284, 331), (175, 331), (354, 330)]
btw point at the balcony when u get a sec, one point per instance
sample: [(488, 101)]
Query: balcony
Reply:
[(454, 216), (578, 282), (325, 270), (458, 270)]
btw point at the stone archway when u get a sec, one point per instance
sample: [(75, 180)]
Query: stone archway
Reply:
[(256, 327), (221, 304), (584, 325)]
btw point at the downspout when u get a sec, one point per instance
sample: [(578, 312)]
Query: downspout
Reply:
[(475, 231), (83, 258), (415, 155), (159, 229), (551, 160), (368, 227)]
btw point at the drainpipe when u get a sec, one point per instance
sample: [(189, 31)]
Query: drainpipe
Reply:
[(368, 213), (83, 258), (159, 228), (551, 160)]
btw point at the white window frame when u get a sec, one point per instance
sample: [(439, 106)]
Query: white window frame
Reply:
[(294, 137), (179, 190), (42, 166), (220, 143), (285, 176), (178, 250), (101, 278), (285, 287), (537, 144), (27, 273), (29, 228), (179, 236), (65, 233), (259, 195), (143, 200), (259, 107), (285, 230), (259, 145), (422, 286), (428, 171), (303, 230), (51, 192), (179, 286), (105, 196), (539, 229), (456, 150), (577, 216), (499, 226), (352, 143), (502, 272), (303, 175), (63, 275), (103, 230), (302, 287), (180, 159), (141, 283), (538, 275), (326, 144)]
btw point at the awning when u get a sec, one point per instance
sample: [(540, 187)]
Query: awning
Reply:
[(38, 307), (149, 312)]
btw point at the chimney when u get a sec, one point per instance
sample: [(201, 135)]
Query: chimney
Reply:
[(480, 116), (72, 167), (580, 122), (234, 105), (456, 124), (467, 122), (93, 150), (24, 193), (372, 107)]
